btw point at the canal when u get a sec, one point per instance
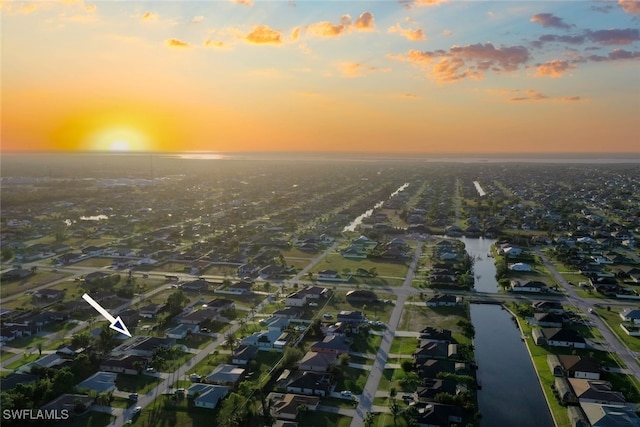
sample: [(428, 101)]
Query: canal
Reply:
[(511, 394), (484, 269)]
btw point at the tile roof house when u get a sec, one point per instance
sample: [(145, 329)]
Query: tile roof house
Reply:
[(559, 337), (574, 366), (332, 344), (610, 415), (597, 391), (287, 406), (317, 362)]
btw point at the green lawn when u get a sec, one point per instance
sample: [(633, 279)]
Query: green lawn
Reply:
[(354, 380), (196, 341), (388, 273), (136, 383), (371, 345), (165, 412), (339, 303), (96, 262), (417, 317), (24, 360), (612, 318), (27, 342), (120, 402), (403, 345)]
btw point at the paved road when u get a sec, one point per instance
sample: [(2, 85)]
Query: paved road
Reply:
[(366, 399)]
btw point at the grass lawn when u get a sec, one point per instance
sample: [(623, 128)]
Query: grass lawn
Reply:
[(403, 345), (360, 360), (120, 402), (386, 420), (173, 364), (354, 380), (96, 262), (417, 317), (339, 303), (386, 269), (371, 345), (90, 419), (19, 286), (24, 360), (5, 355), (338, 403), (27, 342), (136, 383), (613, 320), (195, 341), (166, 413)]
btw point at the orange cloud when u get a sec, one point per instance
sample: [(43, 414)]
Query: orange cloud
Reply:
[(630, 6), (262, 34), (244, 2), (426, 2), (554, 68), (295, 34), (365, 22), (214, 44), (409, 34), (549, 20), (354, 69), (176, 43)]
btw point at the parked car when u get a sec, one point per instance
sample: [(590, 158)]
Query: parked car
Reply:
[(328, 316), (137, 410), (133, 396), (346, 393)]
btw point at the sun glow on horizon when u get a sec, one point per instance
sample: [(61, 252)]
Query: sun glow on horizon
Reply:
[(118, 139)]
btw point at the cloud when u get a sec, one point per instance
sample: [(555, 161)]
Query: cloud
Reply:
[(630, 6), (149, 17), (262, 34), (529, 95), (551, 38), (447, 33), (215, 44), (554, 68), (327, 29), (354, 69), (365, 22), (615, 55), (197, 19), (549, 20), (244, 2), (615, 36), (176, 43), (409, 34), (471, 61), (410, 96), (295, 34)]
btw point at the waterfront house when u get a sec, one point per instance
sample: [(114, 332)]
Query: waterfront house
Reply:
[(528, 286), (597, 391), (574, 366), (558, 337)]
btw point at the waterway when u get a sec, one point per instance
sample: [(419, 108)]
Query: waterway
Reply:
[(356, 222), (484, 269), (511, 394), (479, 188)]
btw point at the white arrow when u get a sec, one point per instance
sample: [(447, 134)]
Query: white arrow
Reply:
[(116, 323)]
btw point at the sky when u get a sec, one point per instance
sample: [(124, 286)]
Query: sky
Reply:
[(408, 76)]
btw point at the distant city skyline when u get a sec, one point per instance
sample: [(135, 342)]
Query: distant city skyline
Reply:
[(409, 76)]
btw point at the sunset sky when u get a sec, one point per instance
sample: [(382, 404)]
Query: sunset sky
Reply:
[(423, 76)]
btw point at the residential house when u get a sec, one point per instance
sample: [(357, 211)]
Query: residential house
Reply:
[(434, 334), (445, 300), (558, 337), (597, 391), (198, 285), (206, 395), (547, 320), (332, 344), (287, 406), (309, 383), (630, 315), (434, 350), (100, 382), (296, 299), (49, 294), (548, 307), (289, 313), (67, 402), (350, 317), (197, 317), (600, 415), (124, 364), (317, 362), (267, 340), (520, 266), (143, 346), (574, 366), (181, 331), (220, 305), (431, 387), (150, 311), (242, 287), (361, 295), (528, 286), (226, 375), (243, 354)]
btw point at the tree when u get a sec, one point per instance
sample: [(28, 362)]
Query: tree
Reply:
[(369, 419), (406, 365), (233, 410), (176, 301), (343, 360), (395, 411), (291, 357), (106, 340), (230, 340), (7, 253)]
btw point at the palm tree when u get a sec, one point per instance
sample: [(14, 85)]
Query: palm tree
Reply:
[(230, 340), (395, 410)]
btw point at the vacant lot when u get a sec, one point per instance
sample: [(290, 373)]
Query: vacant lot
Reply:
[(387, 273), (96, 262), (40, 278), (417, 317), (136, 383)]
